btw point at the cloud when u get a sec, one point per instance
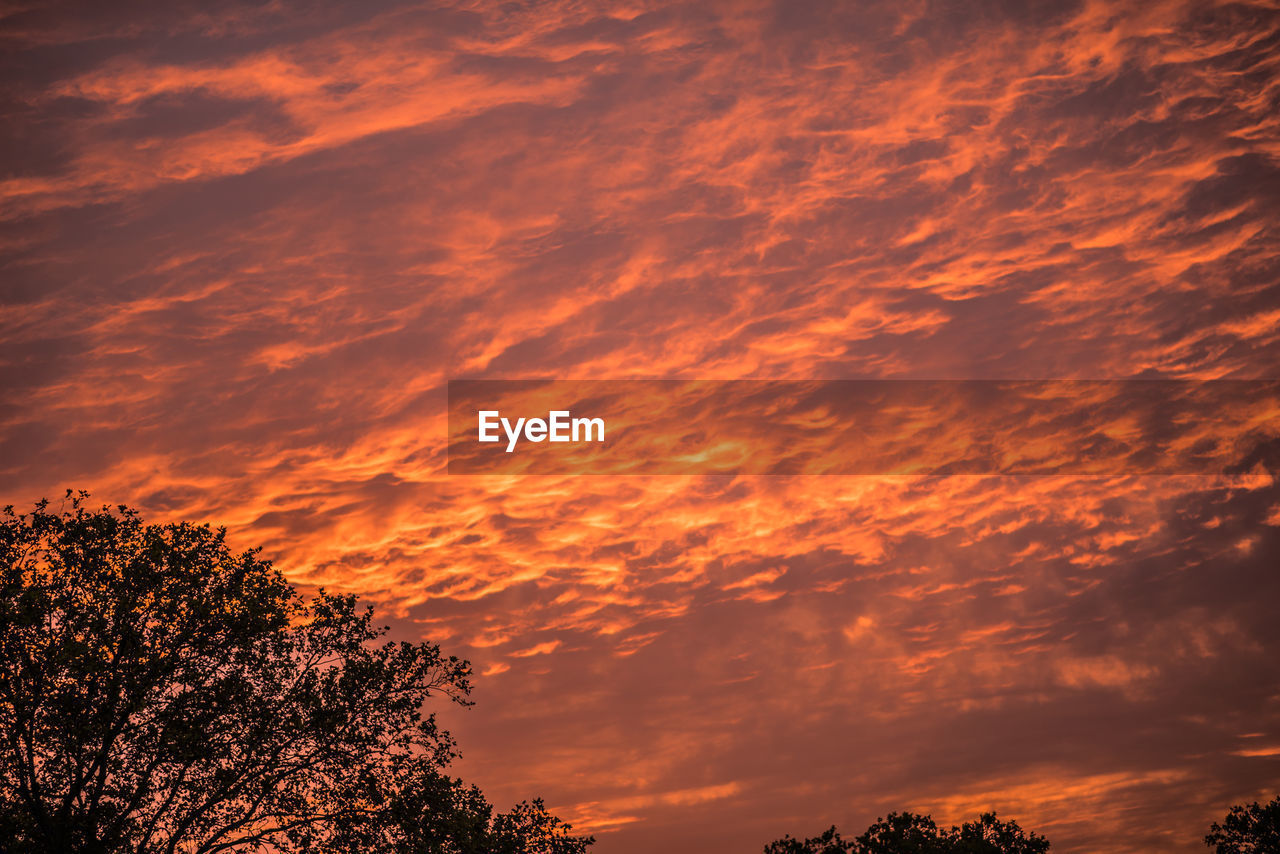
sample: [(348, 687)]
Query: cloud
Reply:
[(244, 250)]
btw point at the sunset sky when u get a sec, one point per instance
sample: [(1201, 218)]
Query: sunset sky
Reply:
[(244, 247)]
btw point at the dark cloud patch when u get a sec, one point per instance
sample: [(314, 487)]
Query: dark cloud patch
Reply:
[(172, 115)]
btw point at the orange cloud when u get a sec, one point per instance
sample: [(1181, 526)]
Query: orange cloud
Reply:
[(243, 253)]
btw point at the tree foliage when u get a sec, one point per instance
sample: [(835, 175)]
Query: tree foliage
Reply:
[(1252, 829), (160, 694), (907, 833)]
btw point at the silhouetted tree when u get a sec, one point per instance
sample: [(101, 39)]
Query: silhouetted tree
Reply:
[(907, 833), (989, 835), (161, 694), (1252, 829), (436, 814), (829, 842), (904, 833)]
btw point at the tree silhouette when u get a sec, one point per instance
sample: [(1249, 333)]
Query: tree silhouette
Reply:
[(1252, 829), (907, 833), (829, 842), (159, 694)]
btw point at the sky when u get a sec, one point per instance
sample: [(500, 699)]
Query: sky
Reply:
[(244, 247)]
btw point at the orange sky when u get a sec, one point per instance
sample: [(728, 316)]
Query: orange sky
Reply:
[(243, 251)]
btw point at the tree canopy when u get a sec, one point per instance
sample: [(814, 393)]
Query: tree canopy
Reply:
[(160, 694), (907, 833), (1252, 829)]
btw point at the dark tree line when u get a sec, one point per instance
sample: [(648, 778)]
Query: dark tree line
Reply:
[(906, 833), (160, 694), (1252, 829)]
